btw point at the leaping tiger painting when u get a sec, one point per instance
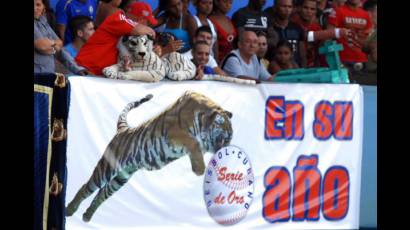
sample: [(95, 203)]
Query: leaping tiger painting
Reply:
[(192, 126)]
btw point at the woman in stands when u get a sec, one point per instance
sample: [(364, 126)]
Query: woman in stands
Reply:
[(47, 45), (225, 29), (204, 9), (174, 20)]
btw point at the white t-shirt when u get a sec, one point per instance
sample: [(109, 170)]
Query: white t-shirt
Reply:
[(211, 63), (236, 66)]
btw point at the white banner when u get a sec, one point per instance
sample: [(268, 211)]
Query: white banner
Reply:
[(303, 143)]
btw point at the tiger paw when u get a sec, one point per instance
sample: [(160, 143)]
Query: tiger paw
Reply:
[(70, 210), (109, 74), (87, 216), (199, 170)]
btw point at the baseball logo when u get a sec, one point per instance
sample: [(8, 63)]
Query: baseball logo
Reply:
[(228, 185)]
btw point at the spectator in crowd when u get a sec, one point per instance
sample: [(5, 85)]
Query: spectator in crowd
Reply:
[(370, 46), (50, 15), (126, 3), (100, 50), (243, 62), (204, 33), (338, 3), (224, 27), (47, 45), (174, 21), (371, 7), (263, 48), (204, 9), (283, 58), (106, 8), (287, 30), (306, 19), (352, 17), (253, 18), (64, 13), (185, 4), (83, 28), (200, 57)]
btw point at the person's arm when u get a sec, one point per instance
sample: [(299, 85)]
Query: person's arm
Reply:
[(172, 46), (331, 33), (140, 29), (65, 58), (264, 74), (219, 71), (119, 25), (61, 31), (61, 18), (212, 63), (302, 54), (216, 50), (44, 46), (192, 27)]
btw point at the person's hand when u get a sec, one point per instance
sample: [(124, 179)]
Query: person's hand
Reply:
[(199, 72), (83, 72), (141, 29), (172, 46), (176, 45), (272, 77), (345, 33), (357, 39), (58, 44), (157, 50)]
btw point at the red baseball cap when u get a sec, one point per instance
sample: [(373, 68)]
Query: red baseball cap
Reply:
[(142, 9)]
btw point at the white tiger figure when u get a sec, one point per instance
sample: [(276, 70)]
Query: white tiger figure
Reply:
[(178, 67), (137, 61)]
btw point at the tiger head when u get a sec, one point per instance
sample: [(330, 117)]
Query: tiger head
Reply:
[(139, 46), (220, 129)]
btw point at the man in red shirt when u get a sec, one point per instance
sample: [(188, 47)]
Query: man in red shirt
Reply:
[(306, 19), (357, 20), (100, 50)]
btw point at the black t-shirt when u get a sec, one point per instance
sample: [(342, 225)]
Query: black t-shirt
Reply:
[(293, 34), (256, 21), (269, 12)]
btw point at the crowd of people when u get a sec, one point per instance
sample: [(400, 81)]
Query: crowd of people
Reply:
[(81, 36)]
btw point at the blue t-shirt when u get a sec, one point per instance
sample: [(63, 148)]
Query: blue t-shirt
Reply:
[(67, 9), (71, 50), (180, 34), (208, 70)]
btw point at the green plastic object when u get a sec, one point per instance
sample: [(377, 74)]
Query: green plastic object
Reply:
[(335, 73)]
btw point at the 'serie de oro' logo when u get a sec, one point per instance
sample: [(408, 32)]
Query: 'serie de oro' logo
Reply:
[(228, 185)]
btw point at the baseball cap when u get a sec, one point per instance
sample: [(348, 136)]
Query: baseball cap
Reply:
[(142, 9)]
